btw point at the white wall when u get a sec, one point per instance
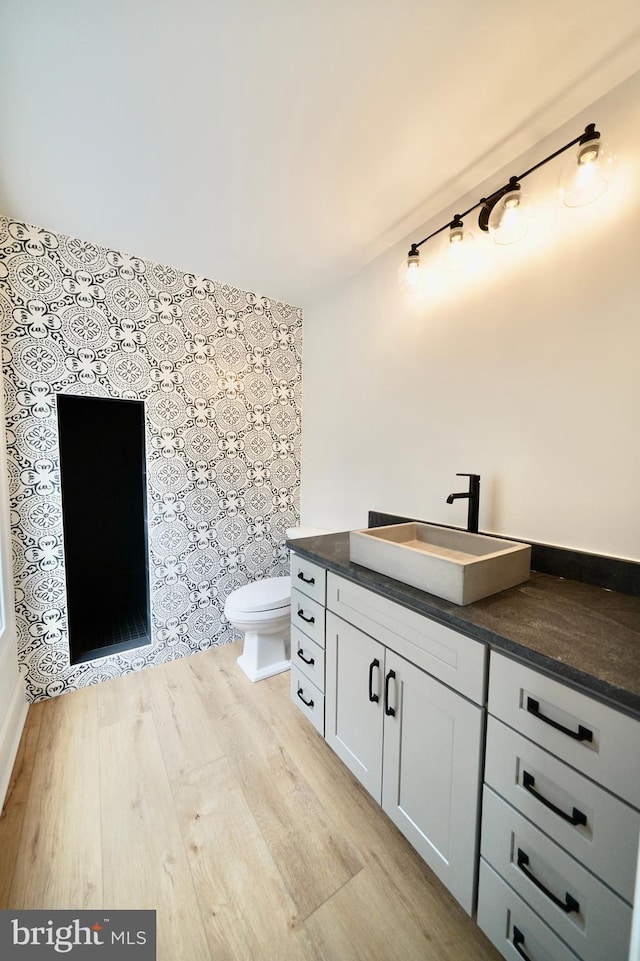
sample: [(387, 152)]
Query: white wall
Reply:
[(527, 372)]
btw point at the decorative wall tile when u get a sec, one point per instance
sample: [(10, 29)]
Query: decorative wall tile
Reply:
[(219, 371)]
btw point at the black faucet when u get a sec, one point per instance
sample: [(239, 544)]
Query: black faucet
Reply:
[(474, 501)]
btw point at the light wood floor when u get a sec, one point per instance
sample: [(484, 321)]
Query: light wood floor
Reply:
[(187, 789)]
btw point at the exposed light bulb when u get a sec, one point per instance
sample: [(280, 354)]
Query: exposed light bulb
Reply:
[(587, 173), (458, 248), (508, 220), (411, 273), (588, 153)]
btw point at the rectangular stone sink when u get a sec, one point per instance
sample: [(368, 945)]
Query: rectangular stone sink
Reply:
[(451, 564)]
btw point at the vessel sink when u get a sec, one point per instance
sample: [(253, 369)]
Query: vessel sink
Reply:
[(449, 563)]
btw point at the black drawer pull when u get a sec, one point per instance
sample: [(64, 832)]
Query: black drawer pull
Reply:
[(309, 620), (307, 580), (388, 710), (518, 939), (582, 734), (374, 663), (568, 905), (528, 783), (308, 703), (303, 658)]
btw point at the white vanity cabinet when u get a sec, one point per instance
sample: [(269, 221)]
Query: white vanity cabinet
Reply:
[(308, 589), (413, 741), (561, 820)]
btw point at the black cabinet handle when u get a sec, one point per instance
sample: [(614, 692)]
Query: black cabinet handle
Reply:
[(303, 658), (582, 734), (308, 703), (374, 663), (307, 580), (309, 620), (518, 939), (528, 783), (388, 710), (568, 905)]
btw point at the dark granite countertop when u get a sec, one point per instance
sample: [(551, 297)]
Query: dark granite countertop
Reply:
[(586, 636)]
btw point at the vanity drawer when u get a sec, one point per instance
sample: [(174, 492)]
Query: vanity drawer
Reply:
[(308, 657), (309, 578), (458, 661), (308, 616), (594, 826), (509, 923), (308, 698), (588, 735), (587, 915)]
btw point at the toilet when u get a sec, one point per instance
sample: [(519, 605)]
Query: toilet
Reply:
[(262, 611)]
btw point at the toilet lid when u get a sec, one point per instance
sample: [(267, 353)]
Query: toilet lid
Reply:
[(264, 595)]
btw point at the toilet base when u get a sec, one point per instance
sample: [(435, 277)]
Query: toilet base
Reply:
[(264, 655), (259, 675)]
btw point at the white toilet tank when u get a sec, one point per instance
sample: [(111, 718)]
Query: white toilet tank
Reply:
[(295, 532)]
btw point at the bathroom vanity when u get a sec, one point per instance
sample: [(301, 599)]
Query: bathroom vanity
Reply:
[(502, 738)]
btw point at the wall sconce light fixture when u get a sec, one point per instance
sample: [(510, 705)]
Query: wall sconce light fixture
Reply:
[(585, 177)]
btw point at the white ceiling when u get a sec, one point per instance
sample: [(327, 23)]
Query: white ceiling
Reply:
[(279, 145)]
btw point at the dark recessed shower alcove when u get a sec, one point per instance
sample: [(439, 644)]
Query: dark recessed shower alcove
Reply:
[(103, 477)]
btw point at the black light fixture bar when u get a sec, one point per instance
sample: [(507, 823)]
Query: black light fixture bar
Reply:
[(488, 203)]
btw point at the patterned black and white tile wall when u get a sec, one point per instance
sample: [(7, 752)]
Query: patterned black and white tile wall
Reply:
[(220, 372)]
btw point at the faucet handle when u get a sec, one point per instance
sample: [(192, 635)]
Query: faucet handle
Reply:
[(467, 475)]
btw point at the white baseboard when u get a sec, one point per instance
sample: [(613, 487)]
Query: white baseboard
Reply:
[(11, 726)]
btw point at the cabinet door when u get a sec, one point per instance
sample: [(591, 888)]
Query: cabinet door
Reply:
[(594, 738), (431, 783), (308, 616), (308, 657), (514, 928), (583, 911), (354, 701), (592, 825), (309, 578)]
